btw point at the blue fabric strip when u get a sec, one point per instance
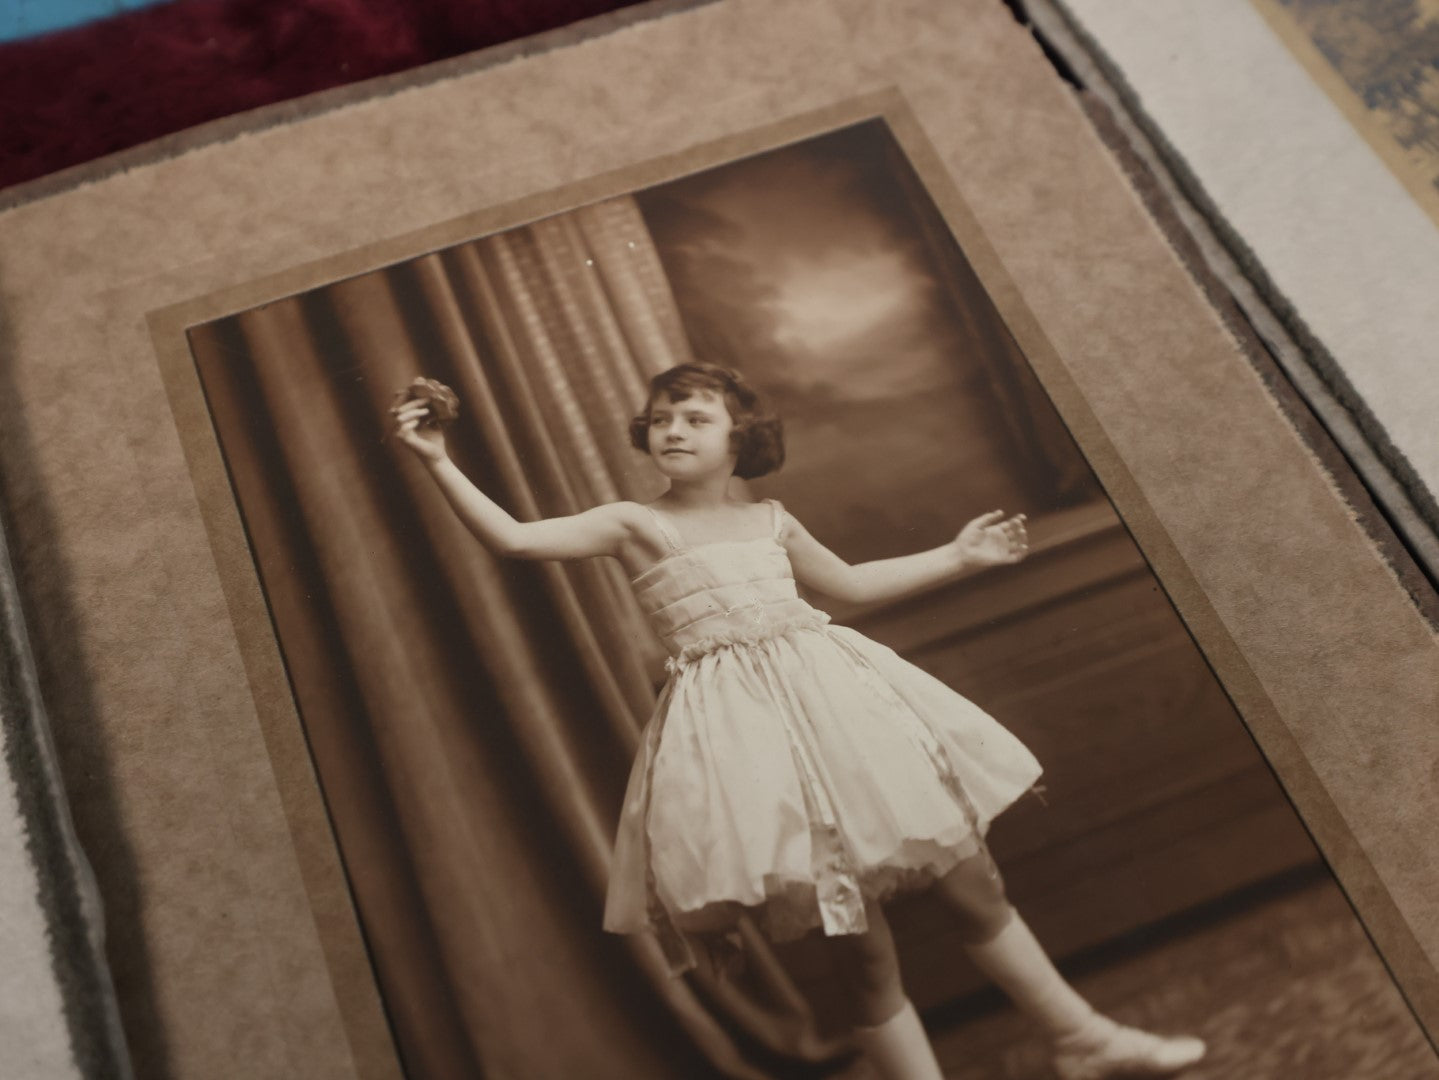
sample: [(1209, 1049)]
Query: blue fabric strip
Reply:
[(31, 18)]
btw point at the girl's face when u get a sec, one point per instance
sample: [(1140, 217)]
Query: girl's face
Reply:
[(691, 438)]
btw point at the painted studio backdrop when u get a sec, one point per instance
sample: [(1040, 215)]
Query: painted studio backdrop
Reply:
[(472, 721)]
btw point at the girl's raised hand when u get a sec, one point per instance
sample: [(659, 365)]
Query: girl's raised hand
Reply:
[(993, 540), (427, 440)]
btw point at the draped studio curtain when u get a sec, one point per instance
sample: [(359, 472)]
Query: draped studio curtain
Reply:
[(472, 720)]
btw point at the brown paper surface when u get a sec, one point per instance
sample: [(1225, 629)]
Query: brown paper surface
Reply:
[(128, 540)]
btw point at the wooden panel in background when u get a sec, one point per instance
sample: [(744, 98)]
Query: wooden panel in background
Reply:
[(1157, 799)]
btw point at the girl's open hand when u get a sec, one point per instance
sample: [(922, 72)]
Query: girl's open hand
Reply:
[(427, 440), (993, 540)]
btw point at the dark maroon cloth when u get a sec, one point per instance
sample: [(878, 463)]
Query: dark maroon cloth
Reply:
[(79, 94)]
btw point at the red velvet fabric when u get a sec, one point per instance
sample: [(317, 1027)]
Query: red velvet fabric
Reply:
[(79, 94)]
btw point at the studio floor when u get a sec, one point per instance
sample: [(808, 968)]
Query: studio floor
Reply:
[(1286, 988)]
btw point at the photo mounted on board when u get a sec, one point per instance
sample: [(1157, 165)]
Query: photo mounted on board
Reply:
[(729, 647)]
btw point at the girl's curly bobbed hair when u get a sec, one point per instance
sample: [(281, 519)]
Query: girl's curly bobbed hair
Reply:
[(757, 437)]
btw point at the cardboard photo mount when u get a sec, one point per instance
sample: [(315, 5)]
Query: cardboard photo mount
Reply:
[(1272, 563)]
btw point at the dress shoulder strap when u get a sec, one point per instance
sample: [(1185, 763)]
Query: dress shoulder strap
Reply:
[(667, 530), (777, 509)]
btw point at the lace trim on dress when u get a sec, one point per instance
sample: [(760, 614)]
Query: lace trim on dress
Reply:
[(833, 903)]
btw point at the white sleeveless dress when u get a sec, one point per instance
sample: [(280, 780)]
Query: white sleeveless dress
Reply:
[(791, 767)]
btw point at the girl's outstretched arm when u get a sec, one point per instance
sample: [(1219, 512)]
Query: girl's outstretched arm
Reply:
[(602, 530), (989, 540)]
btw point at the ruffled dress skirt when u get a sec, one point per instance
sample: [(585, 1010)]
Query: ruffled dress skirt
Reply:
[(791, 768)]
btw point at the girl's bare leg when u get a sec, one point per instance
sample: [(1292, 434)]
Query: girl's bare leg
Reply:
[(974, 892), (1001, 946), (889, 1030), (1088, 1045), (869, 967)]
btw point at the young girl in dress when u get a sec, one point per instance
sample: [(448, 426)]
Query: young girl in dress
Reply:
[(792, 769)]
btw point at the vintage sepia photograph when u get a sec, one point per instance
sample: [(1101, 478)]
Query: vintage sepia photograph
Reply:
[(718, 659)]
